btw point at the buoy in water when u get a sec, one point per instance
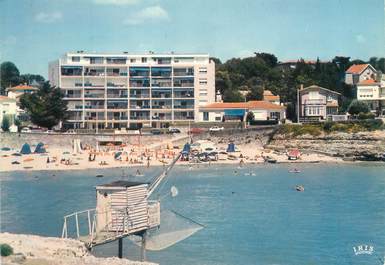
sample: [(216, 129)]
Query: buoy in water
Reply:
[(99, 176)]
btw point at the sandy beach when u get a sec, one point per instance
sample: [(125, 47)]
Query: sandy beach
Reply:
[(133, 156)]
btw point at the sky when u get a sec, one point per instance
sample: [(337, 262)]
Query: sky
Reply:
[(35, 32)]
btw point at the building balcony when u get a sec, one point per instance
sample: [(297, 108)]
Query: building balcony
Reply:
[(182, 72), (140, 107), (93, 85), (143, 118), (161, 96), (139, 96), (162, 107), (314, 102), (140, 84), (139, 71), (93, 96), (94, 74), (117, 95), (183, 106), (161, 84), (187, 84), (115, 74), (71, 96)]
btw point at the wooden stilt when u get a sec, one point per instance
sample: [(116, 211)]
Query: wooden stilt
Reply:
[(143, 249), (120, 247)]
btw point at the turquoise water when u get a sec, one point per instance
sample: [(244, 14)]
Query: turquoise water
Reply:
[(249, 219)]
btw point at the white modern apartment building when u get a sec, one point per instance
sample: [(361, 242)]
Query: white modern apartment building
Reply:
[(133, 90)]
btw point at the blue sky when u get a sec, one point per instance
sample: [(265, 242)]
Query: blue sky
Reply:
[(34, 32)]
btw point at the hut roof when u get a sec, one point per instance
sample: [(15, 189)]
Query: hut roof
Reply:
[(122, 183)]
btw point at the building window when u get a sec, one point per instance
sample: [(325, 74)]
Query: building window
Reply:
[(275, 115), (144, 60), (313, 95), (203, 70), (205, 116), (75, 59), (96, 60), (218, 118), (132, 60), (203, 81)]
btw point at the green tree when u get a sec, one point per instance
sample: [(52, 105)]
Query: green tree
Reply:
[(29, 78), (233, 96), (45, 107), (256, 88), (6, 123), (17, 122), (250, 116), (270, 59), (357, 107), (217, 61), (9, 76)]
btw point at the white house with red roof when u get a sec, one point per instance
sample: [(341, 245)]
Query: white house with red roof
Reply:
[(16, 91), (372, 92), (225, 111), (317, 103), (359, 72)]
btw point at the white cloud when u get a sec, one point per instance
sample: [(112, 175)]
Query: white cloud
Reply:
[(360, 38), (116, 2), (48, 17), (150, 13)]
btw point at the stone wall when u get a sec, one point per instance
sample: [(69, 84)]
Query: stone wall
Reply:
[(16, 140)]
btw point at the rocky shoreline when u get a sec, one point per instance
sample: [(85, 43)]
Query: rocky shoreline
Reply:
[(362, 146), (37, 250)]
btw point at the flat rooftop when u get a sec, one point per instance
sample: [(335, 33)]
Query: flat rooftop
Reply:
[(127, 54)]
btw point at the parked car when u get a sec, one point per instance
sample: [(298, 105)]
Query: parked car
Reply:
[(216, 129), (156, 131), (173, 130), (26, 130)]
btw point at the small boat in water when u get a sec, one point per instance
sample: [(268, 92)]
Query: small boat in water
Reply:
[(295, 170), (99, 176), (299, 188)]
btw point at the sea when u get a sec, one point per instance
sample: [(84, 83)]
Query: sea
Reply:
[(250, 214)]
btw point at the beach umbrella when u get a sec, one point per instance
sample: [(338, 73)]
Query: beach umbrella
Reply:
[(25, 149), (117, 155), (231, 147), (186, 148)]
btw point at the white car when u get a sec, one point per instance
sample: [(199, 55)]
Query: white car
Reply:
[(216, 129), (26, 130)]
